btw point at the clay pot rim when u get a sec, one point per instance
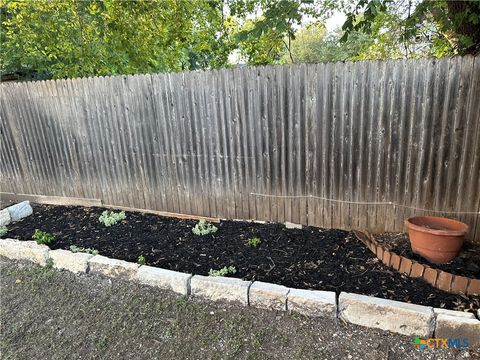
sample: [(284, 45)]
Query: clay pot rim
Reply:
[(410, 225)]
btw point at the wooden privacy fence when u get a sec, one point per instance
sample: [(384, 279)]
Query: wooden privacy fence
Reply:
[(349, 145)]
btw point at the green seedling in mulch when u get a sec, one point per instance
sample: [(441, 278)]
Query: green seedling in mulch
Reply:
[(3, 230), (141, 260), (42, 237), (204, 228), (223, 271), (79, 249), (109, 218), (254, 242)]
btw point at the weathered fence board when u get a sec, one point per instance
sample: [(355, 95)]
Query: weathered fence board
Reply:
[(350, 145)]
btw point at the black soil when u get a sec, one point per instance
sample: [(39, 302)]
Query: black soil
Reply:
[(467, 263), (310, 258)]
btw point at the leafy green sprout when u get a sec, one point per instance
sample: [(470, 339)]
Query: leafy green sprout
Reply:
[(223, 271), (79, 249), (109, 218), (204, 228), (141, 260), (3, 230), (42, 237), (254, 242)]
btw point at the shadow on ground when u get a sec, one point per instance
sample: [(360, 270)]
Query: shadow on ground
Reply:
[(50, 314)]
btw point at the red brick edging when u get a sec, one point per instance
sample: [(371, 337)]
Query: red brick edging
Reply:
[(439, 279)]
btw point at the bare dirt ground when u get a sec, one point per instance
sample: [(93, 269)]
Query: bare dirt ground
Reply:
[(50, 314)]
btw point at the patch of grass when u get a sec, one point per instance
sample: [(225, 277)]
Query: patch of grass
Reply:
[(49, 264), (203, 227), (229, 324), (141, 260), (182, 300), (3, 230), (42, 237), (34, 273), (284, 340), (101, 343), (223, 271), (259, 337), (79, 249), (236, 345), (109, 218), (254, 242)]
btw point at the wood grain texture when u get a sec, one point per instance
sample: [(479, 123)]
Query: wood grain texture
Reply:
[(398, 133)]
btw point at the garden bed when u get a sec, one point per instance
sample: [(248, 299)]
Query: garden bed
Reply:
[(309, 258)]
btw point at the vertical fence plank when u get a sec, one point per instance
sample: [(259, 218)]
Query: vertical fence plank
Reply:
[(470, 160), (281, 143), (326, 144), (311, 185)]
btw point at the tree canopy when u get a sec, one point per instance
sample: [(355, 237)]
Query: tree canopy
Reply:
[(73, 38), (70, 38), (441, 28), (102, 37)]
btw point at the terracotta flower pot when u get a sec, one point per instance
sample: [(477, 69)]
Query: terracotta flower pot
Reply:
[(437, 239)]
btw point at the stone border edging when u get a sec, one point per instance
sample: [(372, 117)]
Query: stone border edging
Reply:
[(439, 279), (15, 212), (390, 315)]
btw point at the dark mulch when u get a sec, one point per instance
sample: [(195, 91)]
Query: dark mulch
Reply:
[(310, 258), (467, 263)]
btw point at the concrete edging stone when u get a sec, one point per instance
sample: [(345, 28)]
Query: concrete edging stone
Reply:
[(312, 302), (24, 250), (268, 296), (395, 316), (67, 260), (113, 268), (220, 288), (164, 279)]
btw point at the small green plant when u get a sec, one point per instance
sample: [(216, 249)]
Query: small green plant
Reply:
[(77, 249), (49, 264), (3, 230), (101, 343), (223, 271), (254, 242), (109, 218), (141, 260), (182, 301), (42, 237), (204, 228)]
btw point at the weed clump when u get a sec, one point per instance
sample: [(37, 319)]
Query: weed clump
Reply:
[(223, 271), (109, 218), (42, 237), (204, 228)]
